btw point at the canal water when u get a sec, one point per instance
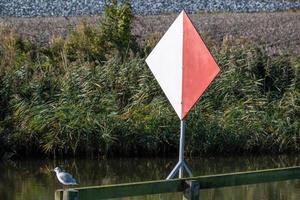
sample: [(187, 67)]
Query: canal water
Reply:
[(33, 180)]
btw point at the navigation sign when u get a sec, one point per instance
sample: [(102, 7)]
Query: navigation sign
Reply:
[(182, 65)]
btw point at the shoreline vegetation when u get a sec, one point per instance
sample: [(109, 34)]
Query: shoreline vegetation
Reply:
[(91, 93)]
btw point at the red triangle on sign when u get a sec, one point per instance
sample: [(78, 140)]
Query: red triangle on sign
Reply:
[(199, 66)]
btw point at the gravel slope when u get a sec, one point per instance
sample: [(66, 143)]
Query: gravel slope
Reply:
[(31, 8), (278, 31)]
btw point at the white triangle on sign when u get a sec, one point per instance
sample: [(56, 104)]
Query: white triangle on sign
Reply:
[(165, 62)]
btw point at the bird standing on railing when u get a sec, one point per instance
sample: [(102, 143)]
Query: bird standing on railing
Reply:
[(64, 177)]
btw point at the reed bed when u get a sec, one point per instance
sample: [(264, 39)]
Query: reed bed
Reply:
[(91, 93)]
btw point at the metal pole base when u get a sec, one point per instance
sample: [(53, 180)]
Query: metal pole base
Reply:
[(180, 166)]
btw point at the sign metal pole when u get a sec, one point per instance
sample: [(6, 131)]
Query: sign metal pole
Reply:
[(181, 146)]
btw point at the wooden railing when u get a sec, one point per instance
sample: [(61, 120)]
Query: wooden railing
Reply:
[(189, 186)]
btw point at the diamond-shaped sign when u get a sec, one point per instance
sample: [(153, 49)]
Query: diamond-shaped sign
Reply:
[(182, 65)]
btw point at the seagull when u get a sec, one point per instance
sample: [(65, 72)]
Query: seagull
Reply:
[(64, 177)]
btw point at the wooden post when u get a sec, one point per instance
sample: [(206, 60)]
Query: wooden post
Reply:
[(68, 194), (192, 192), (58, 195)]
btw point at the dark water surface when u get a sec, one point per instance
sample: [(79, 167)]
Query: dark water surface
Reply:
[(32, 179)]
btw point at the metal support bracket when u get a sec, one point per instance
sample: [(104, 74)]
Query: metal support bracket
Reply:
[(181, 165)]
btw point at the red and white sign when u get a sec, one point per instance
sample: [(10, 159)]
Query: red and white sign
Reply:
[(182, 65)]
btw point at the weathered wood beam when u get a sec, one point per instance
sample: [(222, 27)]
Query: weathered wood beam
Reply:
[(246, 178)]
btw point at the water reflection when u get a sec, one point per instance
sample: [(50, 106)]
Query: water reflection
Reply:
[(32, 179)]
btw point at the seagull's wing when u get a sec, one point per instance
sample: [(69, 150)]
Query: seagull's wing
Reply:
[(67, 178)]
